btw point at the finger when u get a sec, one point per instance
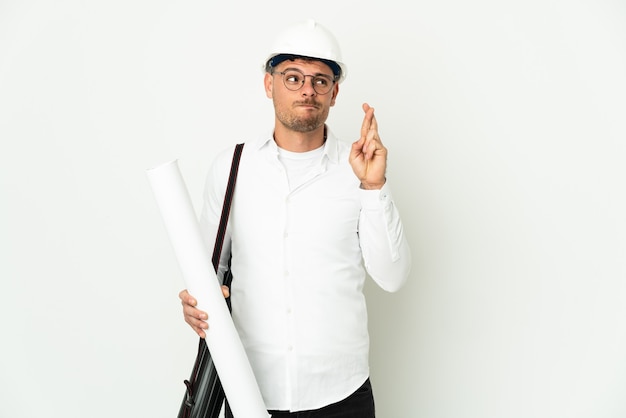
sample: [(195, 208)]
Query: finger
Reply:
[(356, 156), (372, 124), (372, 141), (194, 317), (225, 291), (367, 119), (196, 323), (198, 330), (186, 298), (371, 145), (192, 312)]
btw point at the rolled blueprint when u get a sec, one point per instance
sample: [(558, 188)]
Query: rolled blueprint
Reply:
[(222, 339)]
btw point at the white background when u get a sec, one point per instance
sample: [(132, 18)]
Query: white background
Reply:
[(506, 127)]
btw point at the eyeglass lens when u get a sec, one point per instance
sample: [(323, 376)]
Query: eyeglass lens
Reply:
[(294, 80)]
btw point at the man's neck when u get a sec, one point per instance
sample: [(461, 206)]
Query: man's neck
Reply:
[(299, 141)]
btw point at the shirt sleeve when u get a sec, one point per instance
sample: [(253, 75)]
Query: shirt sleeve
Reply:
[(386, 252), (213, 199)]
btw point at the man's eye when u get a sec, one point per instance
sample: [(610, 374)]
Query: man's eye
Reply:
[(321, 81), (293, 78)]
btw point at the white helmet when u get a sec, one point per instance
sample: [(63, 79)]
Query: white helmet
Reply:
[(307, 39)]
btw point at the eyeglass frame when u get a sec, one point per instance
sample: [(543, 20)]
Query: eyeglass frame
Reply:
[(333, 79)]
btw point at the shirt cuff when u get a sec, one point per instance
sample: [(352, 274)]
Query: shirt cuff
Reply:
[(376, 199)]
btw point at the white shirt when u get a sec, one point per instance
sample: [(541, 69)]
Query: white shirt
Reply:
[(299, 260), (300, 166)]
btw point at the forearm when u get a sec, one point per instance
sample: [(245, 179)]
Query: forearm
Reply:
[(386, 252)]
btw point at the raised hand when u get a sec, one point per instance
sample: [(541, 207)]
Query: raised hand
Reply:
[(368, 156)]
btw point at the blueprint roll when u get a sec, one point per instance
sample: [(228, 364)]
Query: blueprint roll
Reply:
[(222, 339)]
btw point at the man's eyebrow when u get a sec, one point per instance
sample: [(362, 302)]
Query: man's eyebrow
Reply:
[(297, 69)]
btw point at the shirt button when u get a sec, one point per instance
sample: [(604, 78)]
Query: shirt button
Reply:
[(290, 348)]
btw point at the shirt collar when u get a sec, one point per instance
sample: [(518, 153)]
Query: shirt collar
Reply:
[(331, 146)]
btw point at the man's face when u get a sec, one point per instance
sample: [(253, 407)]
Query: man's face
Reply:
[(302, 110)]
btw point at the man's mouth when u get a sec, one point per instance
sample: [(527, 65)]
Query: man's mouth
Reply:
[(307, 104)]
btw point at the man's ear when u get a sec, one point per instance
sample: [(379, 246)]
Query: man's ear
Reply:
[(335, 93), (268, 82)]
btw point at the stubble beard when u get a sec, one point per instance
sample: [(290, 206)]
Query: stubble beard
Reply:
[(299, 123)]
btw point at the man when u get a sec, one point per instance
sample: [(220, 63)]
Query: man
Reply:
[(310, 216)]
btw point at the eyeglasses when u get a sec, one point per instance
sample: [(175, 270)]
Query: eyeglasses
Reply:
[(294, 80)]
